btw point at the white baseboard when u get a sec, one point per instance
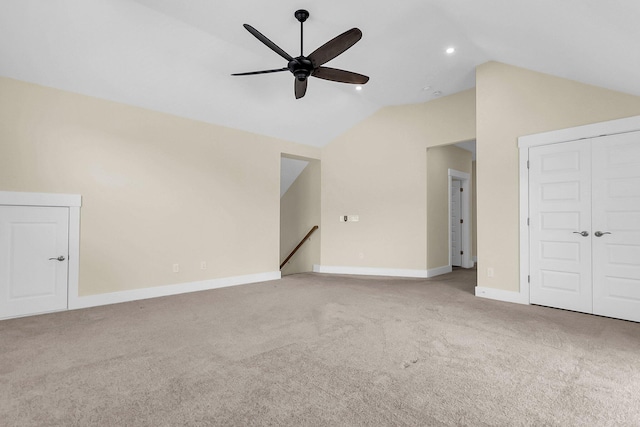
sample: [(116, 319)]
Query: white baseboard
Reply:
[(439, 270), (369, 271), (390, 272), (502, 295), (162, 291)]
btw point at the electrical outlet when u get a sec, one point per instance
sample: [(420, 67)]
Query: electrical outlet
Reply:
[(203, 265), (176, 268), (354, 218), (490, 272)]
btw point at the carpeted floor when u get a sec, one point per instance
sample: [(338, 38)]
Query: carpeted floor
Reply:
[(321, 350)]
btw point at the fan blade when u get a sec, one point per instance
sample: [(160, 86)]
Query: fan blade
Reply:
[(300, 88), (271, 45), (341, 76), (260, 72), (335, 47)]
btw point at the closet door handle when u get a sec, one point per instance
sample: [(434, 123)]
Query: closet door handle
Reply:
[(601, 233), (582, 233)]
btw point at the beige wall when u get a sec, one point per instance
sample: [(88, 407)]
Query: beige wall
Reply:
[(156, 189), (378, 170), (439, 161), (159, 189), (513, 102), (299, 211)]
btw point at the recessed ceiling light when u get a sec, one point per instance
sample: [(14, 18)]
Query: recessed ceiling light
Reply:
[(358, 87), (450, 50)]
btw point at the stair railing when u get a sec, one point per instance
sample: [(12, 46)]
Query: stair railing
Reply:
[(304, 239)]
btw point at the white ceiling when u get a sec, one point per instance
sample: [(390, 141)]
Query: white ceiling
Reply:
[(290, 169), (469, 146), (176, 56)]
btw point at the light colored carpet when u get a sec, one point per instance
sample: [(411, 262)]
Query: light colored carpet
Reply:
[(321, 350)]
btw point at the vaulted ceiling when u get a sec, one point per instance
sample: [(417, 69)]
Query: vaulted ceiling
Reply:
[(176, 56)]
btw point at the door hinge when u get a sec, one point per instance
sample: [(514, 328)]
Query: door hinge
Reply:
[(528, 221), (461, 189), (461, 221), (461, 252), (528, 279), (527, 164)]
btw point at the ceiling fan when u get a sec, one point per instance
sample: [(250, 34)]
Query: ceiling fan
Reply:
[(304, 66)]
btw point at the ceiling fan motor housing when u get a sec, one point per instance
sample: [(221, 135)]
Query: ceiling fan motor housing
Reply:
[(301, 67)]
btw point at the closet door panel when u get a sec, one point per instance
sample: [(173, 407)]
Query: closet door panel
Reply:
[(560, 221), (616, 226)]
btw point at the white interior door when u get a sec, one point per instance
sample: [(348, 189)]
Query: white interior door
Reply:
[(456, 226), (560, 226), (616, 210), (34, 247)]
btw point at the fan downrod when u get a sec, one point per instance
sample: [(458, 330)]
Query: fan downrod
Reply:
[(301, 15)]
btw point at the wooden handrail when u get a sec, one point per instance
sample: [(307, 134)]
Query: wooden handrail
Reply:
[(304, 239)]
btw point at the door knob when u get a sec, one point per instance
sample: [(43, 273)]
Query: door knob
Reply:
[(601, 233), (582, 233), (60, 258)]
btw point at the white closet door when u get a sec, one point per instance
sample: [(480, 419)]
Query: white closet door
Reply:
[(34, 247), (616, 210), (560, 209)]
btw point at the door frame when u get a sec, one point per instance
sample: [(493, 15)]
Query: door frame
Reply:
[(452, 223), (465, 210), (71, 201), (311, 250), (612, 127)]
